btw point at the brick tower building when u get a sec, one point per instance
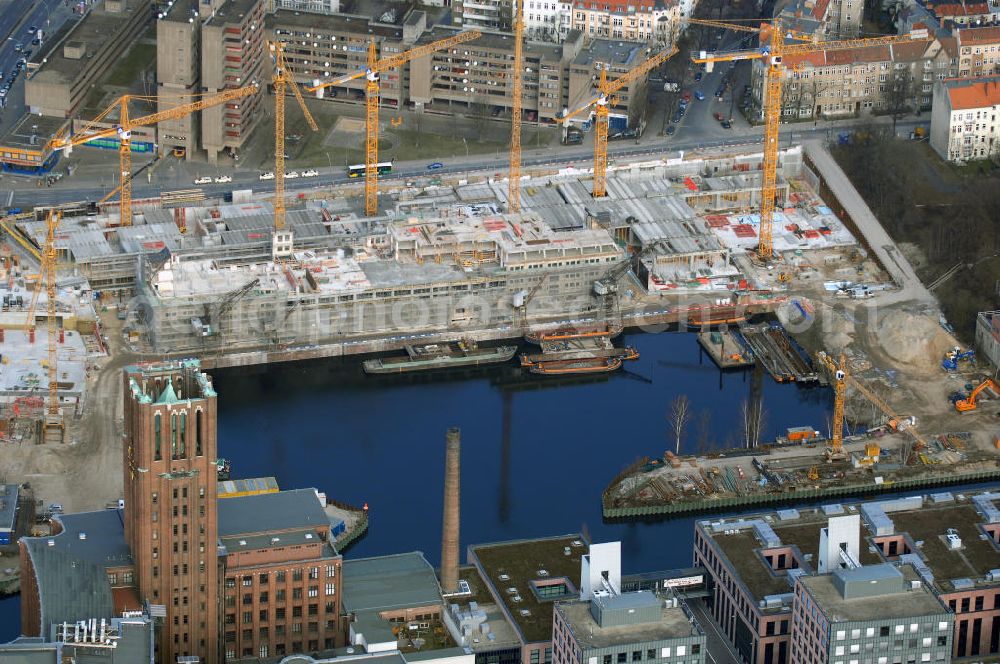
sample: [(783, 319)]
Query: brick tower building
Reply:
[(170, 517)]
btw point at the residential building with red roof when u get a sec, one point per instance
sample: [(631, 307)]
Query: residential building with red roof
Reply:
[(964, 124), (846, 83), (978, 51), (629, 20)]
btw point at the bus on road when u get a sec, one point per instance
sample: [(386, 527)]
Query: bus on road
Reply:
[(358, 170)]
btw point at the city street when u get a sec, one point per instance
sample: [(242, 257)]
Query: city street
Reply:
[(16, 17), (91, 184)]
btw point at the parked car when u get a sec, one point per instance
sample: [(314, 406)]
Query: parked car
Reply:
[(699, 95), (697, 77), (55, 507), (717, 116), (203, 180), (18, 47), (36, 41), (222, 179), (32, 29), (727, 125), (267, 176), (686, 96), (291, 175), (311, 173), (671, 130)]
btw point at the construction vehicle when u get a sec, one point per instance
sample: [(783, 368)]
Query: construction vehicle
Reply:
[(212, 324), (372, 74), (123, 130), (514, 177), (601, 105), (968, 404), (523, 298), (772, 51), (282, 80), (956, 355)]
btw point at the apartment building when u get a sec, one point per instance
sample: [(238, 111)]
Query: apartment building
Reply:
[(548, 20), (850, 82), (488, 14), (978, 51), (757, 564), (233, 54), (64, 79), (964, 124), (962, 13), (880, 613), (652, 21), (824, 19), (470, 78)]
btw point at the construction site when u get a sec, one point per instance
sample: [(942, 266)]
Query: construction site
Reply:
[(698, 239)]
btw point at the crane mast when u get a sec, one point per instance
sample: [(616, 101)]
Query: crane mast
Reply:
[(123, 130), (514, 178), (773, 54), (372, 76), (282, 80), (602, 109)]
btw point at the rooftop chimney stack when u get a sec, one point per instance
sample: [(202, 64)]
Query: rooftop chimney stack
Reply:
[(449, 534)]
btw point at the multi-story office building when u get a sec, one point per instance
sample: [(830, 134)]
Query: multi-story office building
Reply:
[(65, 78), (755, 562), (607, 626), (233, 54), (879, 613), (232, 578), (964, 124)]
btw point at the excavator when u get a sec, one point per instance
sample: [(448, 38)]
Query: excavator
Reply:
[(968, 404)]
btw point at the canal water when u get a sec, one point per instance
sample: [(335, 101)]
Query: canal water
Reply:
[(536, 451)]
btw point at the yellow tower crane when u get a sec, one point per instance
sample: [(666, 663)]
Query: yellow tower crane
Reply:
[(601, 109), (47, 276), (517, 102), (283, 80), (123, 130), (838, 371), (372, 75), (53, 418), (772, 51)]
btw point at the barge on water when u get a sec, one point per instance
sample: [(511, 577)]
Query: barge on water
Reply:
[(425, 357), (726, 349), (576, 351)]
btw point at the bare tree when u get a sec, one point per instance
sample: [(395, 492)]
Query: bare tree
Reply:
[(899, 94), (679, 416), (753, 422)]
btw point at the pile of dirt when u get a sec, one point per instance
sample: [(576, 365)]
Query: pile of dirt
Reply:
[(914, 340)]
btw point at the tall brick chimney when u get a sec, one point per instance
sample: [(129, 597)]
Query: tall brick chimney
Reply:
[(449, 531)]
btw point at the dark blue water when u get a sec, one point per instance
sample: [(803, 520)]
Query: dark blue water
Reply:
[(538, 471)]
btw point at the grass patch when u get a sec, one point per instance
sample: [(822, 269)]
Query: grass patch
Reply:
[(411, 145), (138, 58)]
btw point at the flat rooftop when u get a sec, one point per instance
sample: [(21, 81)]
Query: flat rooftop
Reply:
[(32, 132), (498, 41), (231, 11), (95, 29), (926, 527), (741, 549), (514, 565), (269, 513), (673, 623), (617, 54), (911, 602), (382, 583), (179, 11), (342, 23), (504, 634)]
